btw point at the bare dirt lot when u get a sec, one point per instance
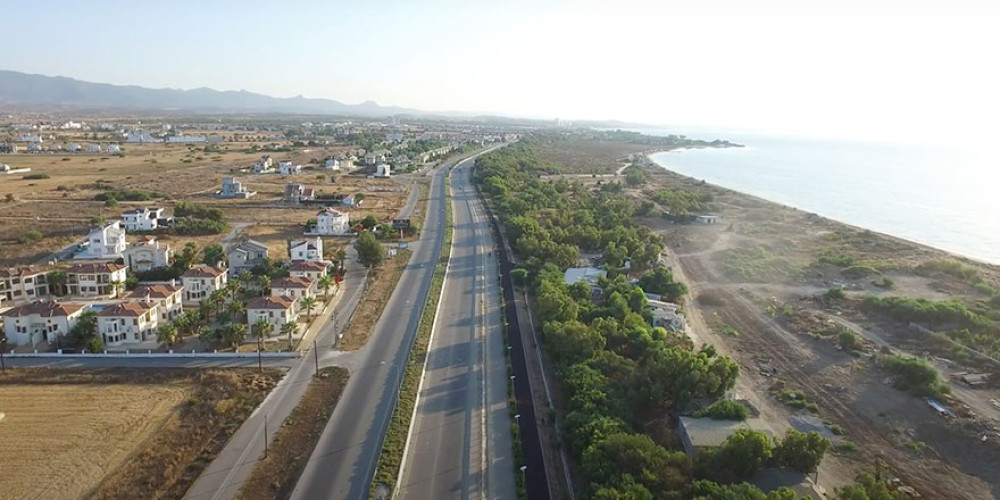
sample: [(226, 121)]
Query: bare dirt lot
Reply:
[(118, 433), (757, 279)]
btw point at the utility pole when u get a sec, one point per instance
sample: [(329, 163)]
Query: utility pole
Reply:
[(316, 356), (265, 435), (260, 344), (3, 345)]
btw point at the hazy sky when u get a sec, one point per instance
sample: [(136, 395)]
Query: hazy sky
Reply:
[(891, 69)]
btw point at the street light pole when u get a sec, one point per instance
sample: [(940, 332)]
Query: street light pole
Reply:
[(316, 356), (3, 345), (260, 365)]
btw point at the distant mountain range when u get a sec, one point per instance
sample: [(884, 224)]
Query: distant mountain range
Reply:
[(27, 91)]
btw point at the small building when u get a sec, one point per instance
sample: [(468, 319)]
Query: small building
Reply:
[(275, 309), (232, 188), (168, 297), (665, 315), (200, 281), (9, 170), (706, 219), (94, 148), (103, 242), (382, 170), (39, 321), (74, 147), (246, 255), (309, 269), (114, 148), (773, 478), (147, 254), (590, 275), (144, 219), (264, 165), (332, 164), (307, 249), (98, 280), (331, 222), (128, 323), (294, 287), (139, 137), (697, 434), (295, 193), (23, 283), (289, 168), (350, 201)]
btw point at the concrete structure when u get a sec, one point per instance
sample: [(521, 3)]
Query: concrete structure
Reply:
[(168, 298), (199, 282), (665, 315), (99, 280), (331, 222), (245, 255), (264, 165), (114, 148), (275, 309), (332, 164), (350, 201), (128, 323), (289, 168), (706, 219), (39, 321), (104, 242), (296, 288), (139, 137), (307, 269), (697, 434), (590, 275), (94, 148), (144, 219), (382, 170), (232, 188), (7, 169), (307, 249), (295, 192), (23, 283), (147, 254)]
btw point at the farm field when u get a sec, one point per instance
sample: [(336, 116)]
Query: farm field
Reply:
[(118, 433)]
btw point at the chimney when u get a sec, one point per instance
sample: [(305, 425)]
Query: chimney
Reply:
[(173, 282)]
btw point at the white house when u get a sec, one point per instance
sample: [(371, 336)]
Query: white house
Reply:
[(264, 165), (39, 321), (246, 255), (94, 148), (350, 201), (289, 168), (104, 242), (307, 269), (665, 314), (114, 148), (143, 219), (382, 170), (147, 254), (307, 249), (232, 188), (26, 282), (332, 164), (139, 137), (74, 148), (296, 288), (92, 279), (275, 309), (168, 298), (128, 323), (331, 222), (199, 282), (295, 193)]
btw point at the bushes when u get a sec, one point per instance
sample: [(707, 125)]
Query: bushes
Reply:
[(724, 409), (32, 177), (129, 195), (191, 227), (837, 259), (801, 451), (943, 313), (848, 341), (915, 375), (29, 237), (186, 209), (858, 272), (661, 281)]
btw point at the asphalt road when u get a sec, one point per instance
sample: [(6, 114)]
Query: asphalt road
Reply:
[(460, 443), (343, 463)]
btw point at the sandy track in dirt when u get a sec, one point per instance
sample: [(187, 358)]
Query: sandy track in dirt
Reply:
[(58, 441)]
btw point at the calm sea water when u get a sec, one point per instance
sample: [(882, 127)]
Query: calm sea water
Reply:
[(945, 197)]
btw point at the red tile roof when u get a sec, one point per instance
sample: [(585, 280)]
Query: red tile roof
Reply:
[(291, 282), (43, 308), (95, 267), (21, 272), (155, 291), (306, 265), (129, 309), (271, 302), (204, 272)]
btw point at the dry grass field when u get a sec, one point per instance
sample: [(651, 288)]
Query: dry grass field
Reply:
[(62, 206), (118, 433)]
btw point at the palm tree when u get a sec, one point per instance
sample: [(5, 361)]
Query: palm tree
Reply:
[(262, 328), (234, 334), (189, 323), (308, 303), (341, 258), (116, 287), (238, 309), (217, 298), (290, 328), (233, 287), (325, 282), (57, 282), (167, 333), (264, 282)]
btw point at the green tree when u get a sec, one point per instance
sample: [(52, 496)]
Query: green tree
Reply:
[(369, 221), (611, 460), (370, 251), (186, 258), (215, 300), (233, 287), (189, 323), (308, 303), (326, 282), (290, 328), (238, 309), (571, 342), (264, 283), (519, 276), (84, 330), (661, 282), (262, 328), (57, 282), (742, 454), (915, 375), (233, 334), (848, 340), (167, 333), (868, 487), (801, 451), (213, 254)]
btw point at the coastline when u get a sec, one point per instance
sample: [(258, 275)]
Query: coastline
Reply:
[(930, 247)]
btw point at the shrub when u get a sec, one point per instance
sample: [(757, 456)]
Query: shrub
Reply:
[(29, 237), (848, 341), (915, 375), (724, 409), (836, 293), (35, 176), (858, 272), (186, 209), (837, 259)]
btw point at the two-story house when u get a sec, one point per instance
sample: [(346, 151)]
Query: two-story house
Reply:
[(296, 288), (245, 255), (104, 280), (144, 219), (25, 282), (39, 321), (264, 165), (331, 222), (103, 242), (147, 254), (289, 168), (307, 269), (199, 282), (307, 249), (275, 309), (168, 298), (128, 322), (297, 193)]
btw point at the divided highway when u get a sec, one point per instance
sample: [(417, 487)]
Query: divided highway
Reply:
[(460, 440)]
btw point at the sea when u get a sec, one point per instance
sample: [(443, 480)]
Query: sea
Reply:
[(944, 196)]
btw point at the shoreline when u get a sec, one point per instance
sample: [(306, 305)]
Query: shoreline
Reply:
[(956, 254)]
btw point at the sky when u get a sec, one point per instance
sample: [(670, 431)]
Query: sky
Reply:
[(896, 70)]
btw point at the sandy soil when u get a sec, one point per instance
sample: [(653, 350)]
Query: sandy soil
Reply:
[(59, 441)]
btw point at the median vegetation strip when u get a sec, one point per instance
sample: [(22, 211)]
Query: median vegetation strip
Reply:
[(385, 275), (390, 459), (293, 443)]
